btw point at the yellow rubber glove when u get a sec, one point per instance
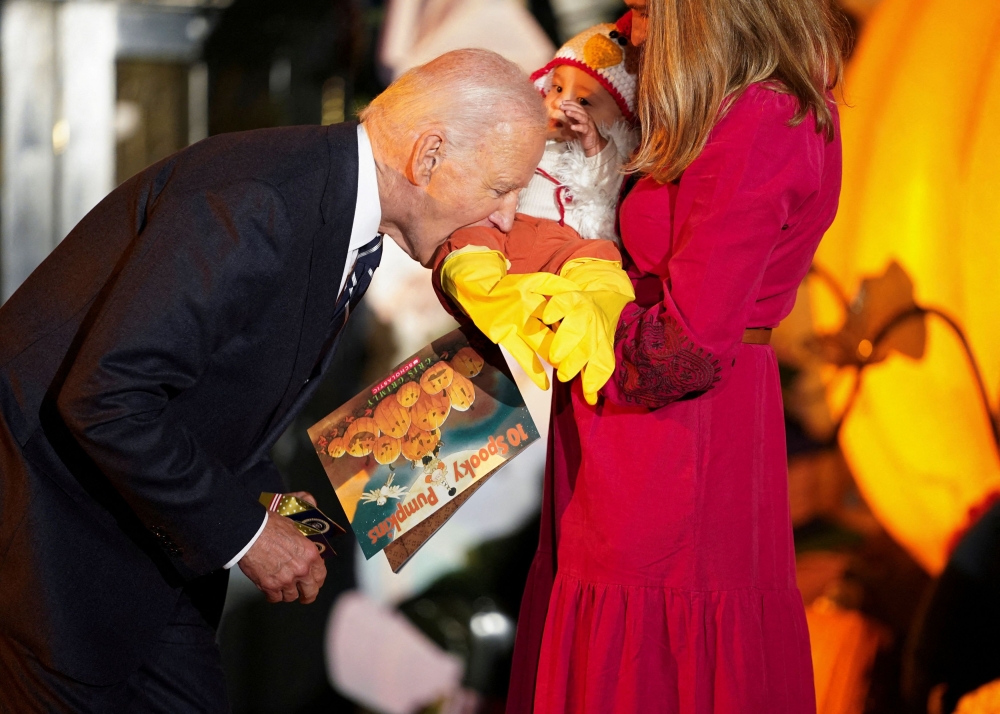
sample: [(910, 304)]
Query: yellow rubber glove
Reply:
[(585, 338), (506, 308)]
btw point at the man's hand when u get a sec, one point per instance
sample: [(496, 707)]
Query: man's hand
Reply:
[(582, 124), (283, 563)]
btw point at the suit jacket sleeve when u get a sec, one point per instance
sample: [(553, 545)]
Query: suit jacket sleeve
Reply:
[(196, 274)]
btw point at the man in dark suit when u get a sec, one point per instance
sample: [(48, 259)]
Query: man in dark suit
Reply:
[(148, 365)]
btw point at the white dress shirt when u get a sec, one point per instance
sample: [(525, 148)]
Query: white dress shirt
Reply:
[(367, 217)]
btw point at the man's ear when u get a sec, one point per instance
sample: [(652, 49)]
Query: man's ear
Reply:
[(426, 157)]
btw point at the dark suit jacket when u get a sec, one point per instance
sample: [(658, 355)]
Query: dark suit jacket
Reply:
[(146, 368)]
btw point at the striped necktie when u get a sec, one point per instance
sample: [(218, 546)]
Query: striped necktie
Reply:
[(369, 256)]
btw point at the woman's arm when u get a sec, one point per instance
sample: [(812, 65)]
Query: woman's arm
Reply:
[(730, 210)]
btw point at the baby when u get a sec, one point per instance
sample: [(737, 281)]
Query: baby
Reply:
[(559, 263), (589, 89)]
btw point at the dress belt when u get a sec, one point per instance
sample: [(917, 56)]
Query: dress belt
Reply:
[(757, 336)]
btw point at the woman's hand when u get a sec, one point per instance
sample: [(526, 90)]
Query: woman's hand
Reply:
[(587, 320), (583, 125)]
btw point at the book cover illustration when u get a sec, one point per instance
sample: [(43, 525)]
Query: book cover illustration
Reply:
[(407, 446)]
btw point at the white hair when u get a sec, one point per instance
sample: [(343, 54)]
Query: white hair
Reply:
[(470, 94)]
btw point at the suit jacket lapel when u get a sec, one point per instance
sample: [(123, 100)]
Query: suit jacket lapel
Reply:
[(329, 255)]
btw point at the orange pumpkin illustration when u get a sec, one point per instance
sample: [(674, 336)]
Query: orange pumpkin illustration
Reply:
[(437, 378), (461, 393), (336, 448), (467, 362), (430, 411), (408, 394), (392, 418), (387, 449), (418, 443), (360, 437)]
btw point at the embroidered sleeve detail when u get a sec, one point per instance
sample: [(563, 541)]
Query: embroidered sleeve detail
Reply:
[(659, 364)]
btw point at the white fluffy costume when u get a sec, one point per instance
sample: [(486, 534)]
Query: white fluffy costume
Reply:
[(568, 186)]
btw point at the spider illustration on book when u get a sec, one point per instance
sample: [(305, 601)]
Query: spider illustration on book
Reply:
[(379, 496)]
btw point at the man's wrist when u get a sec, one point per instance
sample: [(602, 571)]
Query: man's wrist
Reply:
[(248, 546)]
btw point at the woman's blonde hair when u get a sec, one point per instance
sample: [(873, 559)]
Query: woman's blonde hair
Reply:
[(700, 55)]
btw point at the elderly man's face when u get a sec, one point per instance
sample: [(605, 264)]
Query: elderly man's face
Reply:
[(480, 188)]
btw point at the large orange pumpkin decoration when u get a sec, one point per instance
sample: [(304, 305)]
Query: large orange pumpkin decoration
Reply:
[(360, 437), (437, 378), (408, 394), (336, 448), (920, 189), (418, 443), (430, 411), (387, 449), (467, 362), (392, 418), (461, 393)]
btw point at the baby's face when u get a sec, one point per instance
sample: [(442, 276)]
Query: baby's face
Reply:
[(570, 84)]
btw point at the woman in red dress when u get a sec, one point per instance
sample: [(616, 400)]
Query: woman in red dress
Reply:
[(665, 576)]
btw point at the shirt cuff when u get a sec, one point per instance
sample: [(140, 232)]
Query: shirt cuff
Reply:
[(247, 547)]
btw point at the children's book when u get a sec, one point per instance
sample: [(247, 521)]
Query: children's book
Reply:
[(406, 452)]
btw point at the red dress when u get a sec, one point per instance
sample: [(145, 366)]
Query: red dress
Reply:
[(665, 576)]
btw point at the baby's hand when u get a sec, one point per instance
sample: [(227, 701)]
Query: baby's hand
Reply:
[(584, 126)]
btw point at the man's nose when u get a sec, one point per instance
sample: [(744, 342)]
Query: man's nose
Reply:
[(503, 217)]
